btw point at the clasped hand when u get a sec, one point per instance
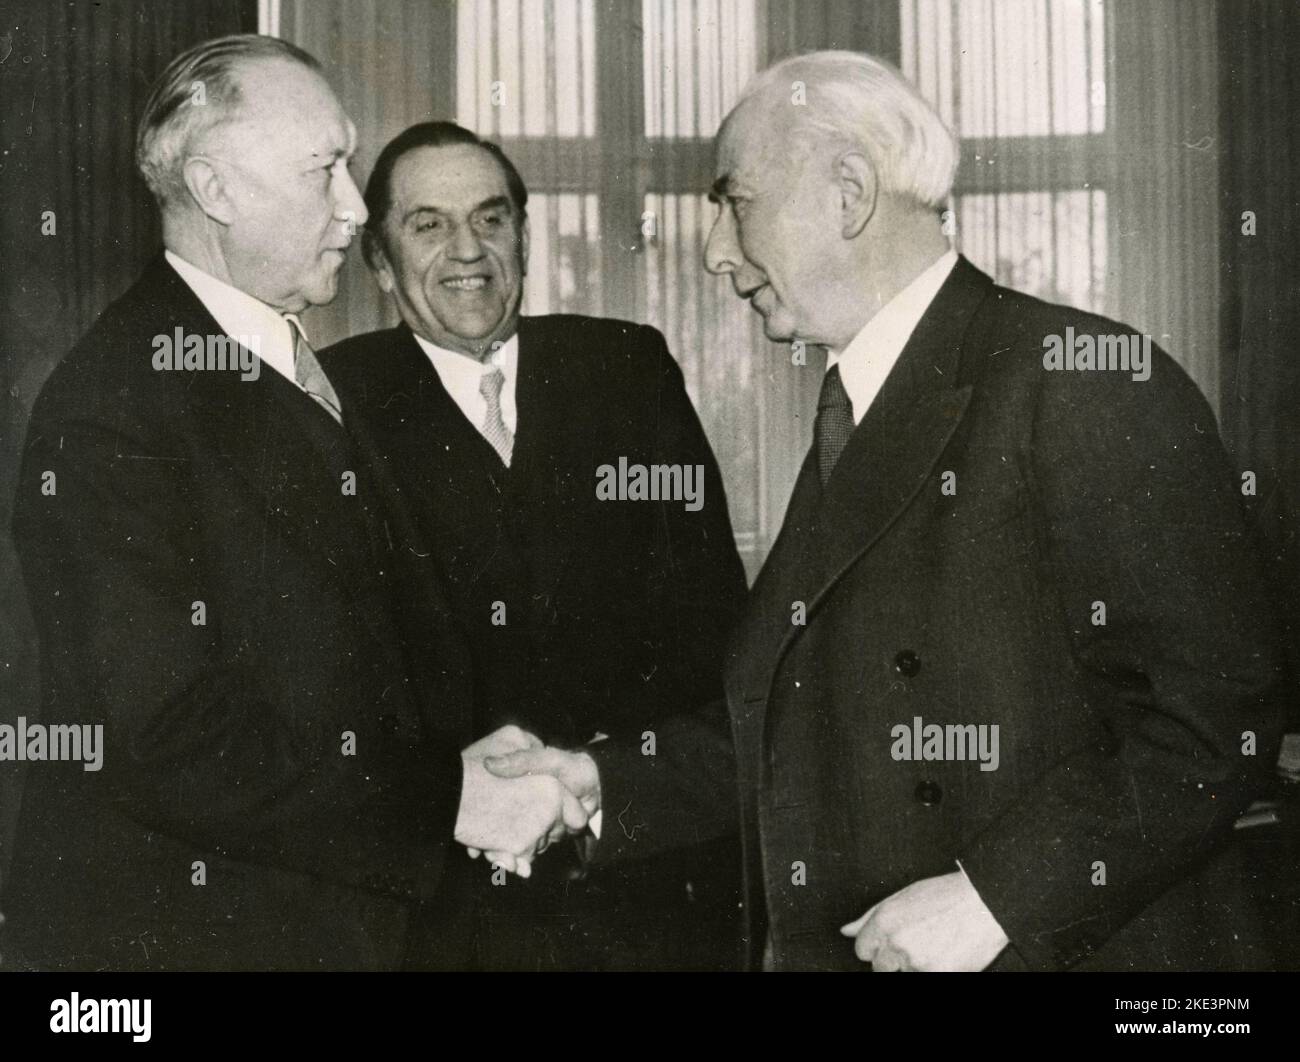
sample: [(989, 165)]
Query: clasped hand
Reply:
[(519, 796)]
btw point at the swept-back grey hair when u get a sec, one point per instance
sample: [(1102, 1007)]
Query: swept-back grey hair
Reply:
[(861, 101), (174, 119)]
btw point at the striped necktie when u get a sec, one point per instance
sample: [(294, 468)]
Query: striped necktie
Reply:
[(834, 423), (494, 426), (310, 376)]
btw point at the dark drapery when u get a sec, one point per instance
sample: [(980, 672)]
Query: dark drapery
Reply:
[(1259, 94), (77, 226)]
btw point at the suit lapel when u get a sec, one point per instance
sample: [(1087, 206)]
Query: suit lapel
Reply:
[(888, 460), (257, 426), (548, 396), (410, 395), (458, 481)]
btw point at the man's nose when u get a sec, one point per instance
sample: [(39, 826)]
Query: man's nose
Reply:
[(348, 203), (465, 244), (720, 250)]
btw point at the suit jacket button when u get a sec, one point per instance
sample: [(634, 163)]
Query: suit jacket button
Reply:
[(907, 663), (928, 793)]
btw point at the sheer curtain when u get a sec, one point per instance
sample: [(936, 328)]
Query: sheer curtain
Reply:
[(1089, 155), (609, 111), (1088, 171)]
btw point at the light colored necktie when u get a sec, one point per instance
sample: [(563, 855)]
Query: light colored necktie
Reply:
[(310, 376), (494, 426)]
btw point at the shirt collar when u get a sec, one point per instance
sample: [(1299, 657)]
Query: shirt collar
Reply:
[(457, 365), (461, 375), (870, 355), (252, 322)]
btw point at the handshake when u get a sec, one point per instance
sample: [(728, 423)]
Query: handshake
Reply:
[(519, 796)]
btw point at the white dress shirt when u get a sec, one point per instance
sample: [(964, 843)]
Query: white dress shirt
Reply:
[(239, 314), (461, 375), (871, 354)]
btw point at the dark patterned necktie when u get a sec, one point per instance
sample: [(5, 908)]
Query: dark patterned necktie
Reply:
[(834, 423)]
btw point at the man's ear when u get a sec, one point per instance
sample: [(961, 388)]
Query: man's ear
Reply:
[(208, 189), (378, 262), (523, 247), (858, 191)]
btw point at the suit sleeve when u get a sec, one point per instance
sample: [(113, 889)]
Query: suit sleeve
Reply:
[(685, 791), (1138, 511), (193, 748)]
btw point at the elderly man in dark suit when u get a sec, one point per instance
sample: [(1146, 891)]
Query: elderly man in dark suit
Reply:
[(223, 581), (1009, 674), (591, 612)]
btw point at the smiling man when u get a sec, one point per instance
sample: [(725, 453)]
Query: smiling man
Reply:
[(586, 618), (224, 581), (459, 243)]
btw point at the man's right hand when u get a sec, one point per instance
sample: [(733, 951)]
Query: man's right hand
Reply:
[(513, 818), (575, 769)]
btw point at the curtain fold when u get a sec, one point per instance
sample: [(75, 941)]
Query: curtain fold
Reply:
[(1089, 154), (1163, 223), (1260, 157), (73, 78)]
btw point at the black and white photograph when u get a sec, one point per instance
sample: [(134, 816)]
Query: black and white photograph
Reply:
[(650, 487)]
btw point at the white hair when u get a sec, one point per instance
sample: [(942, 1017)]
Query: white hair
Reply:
[(848, 97), (198, 91)]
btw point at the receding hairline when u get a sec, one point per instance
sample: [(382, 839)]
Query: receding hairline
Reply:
[(756, 110), (243, 106), (770, 101), (228, 58), (843, 102), (480, 149), (412, 152)]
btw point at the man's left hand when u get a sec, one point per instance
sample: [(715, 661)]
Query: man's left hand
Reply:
[(934, 924)]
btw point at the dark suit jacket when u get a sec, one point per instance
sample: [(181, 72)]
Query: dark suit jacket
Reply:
[(225, 741), (613, 614), (1121, 745)]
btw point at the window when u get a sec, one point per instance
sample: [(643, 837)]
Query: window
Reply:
[(617, 167), (609, 110), (1023, 83)]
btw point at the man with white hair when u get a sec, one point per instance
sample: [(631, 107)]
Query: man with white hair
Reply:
[(1009, 674), (223, 579)]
